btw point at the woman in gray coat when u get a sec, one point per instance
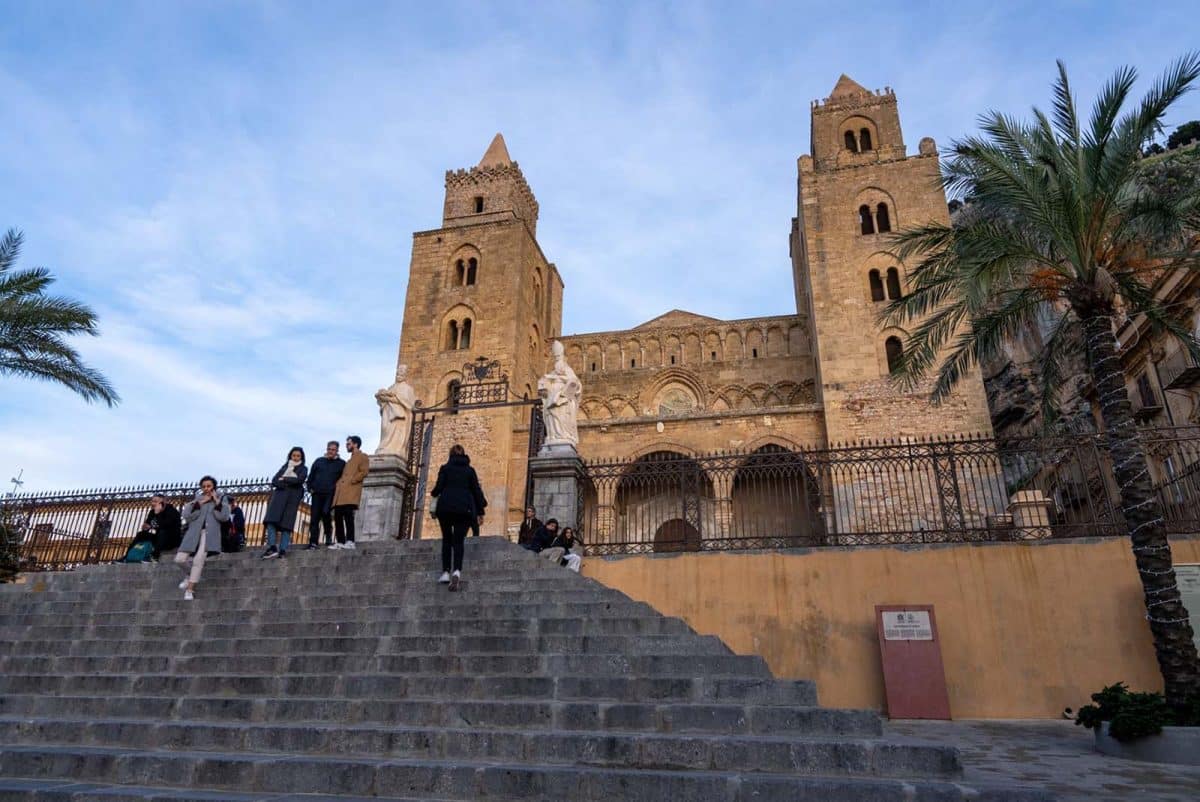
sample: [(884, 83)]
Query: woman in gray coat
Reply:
[(286, 494), (203, 517)]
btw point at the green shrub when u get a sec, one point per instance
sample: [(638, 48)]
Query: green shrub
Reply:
[(1134, 715)]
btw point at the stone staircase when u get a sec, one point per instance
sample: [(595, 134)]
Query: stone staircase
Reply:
[(351, 675)]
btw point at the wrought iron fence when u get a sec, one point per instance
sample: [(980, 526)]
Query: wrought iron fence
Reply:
[(925, 491), (58, 531)]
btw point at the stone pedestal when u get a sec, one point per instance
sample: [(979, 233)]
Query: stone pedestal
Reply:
[(557, 472), (1030, 511), (383, 497)]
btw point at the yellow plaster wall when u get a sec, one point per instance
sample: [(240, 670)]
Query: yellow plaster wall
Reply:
[(1025, 629)]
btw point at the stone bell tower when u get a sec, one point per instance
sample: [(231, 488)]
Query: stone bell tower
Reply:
[(859, 185), (480, 290)]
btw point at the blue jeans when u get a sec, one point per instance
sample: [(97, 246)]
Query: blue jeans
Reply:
[(285, 537)]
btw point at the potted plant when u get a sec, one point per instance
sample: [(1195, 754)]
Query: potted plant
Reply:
[(1141, 726)]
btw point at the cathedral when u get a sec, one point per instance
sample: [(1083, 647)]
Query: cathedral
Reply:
[(484, 303)]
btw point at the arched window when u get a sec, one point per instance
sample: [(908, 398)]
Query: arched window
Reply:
[(866, 224), (893, 284), (864, 138), (464, 337), (459, 273), (472, 270), (633, 363), (882, 221), (593, 367), (452, 393), (895, 350), (851, 145), (876, 285), (452, 335)]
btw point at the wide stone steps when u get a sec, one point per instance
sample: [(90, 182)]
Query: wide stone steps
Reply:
[(601, 625), (612, 748), (70, 791), (344, 675), (532, 684), (421, 778), (665, 716)]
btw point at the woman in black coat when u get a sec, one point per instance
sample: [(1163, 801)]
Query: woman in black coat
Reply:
[(460, 503), (287, 491)]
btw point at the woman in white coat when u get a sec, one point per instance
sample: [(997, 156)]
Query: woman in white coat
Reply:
[(203, 517)]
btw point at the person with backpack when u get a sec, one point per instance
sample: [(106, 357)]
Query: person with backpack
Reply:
[(286, 494), (459, 502), (203, 515)]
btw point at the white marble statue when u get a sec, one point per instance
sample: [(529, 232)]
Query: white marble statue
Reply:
[(395, 414), (560, 391)]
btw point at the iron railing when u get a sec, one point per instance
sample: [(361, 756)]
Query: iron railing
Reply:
[(950, 490), (58, 531)]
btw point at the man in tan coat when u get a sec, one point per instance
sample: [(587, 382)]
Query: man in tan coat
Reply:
[(348, 493)]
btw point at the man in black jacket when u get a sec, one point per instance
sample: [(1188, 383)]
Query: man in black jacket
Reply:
[(543, 538), (529, 525), (322, 480), (162, 526)]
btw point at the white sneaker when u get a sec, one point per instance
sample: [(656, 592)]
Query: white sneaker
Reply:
[(349, 544), (458, 574), (183, 585), (444, 579), (187, 596), (334, 546)]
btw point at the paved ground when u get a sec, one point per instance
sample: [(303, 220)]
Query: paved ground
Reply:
[(1055, 755)]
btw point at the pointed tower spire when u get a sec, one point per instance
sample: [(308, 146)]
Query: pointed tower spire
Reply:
[(847, 87), (497, 154)]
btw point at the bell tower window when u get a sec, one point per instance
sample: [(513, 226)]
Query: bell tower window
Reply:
[(893, 284), (478, 204), (851, 144), (472, 270), (882, 220), (866, 223), (895, 351), (864, 138), (876, 286)]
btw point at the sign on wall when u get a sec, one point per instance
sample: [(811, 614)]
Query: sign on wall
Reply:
[(914, 680)]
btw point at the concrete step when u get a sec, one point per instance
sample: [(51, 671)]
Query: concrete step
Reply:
[(530, 685), (462, 605), (592, 716), (675, 643), (27, 790), (603, 666), (248, 599), (456, 779), (28, 639), (809, 755)]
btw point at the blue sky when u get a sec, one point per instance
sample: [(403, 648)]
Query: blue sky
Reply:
[(233, 186)]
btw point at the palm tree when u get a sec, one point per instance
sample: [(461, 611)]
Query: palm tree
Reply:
[(33, 328), (1061, 215)]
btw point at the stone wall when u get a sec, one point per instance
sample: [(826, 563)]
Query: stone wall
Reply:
[(1026, 629)]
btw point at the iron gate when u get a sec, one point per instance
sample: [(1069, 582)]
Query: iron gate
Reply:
[(485, 387)]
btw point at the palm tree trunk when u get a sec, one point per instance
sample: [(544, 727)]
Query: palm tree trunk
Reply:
[(1169, 624)]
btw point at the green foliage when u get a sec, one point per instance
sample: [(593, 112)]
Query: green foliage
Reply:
[(1134, 715), (1188, 132), (1060, 214), (34, 327)]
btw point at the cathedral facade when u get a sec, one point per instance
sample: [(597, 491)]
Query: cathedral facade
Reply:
[(481, 291)]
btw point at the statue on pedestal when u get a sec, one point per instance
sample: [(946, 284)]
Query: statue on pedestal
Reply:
[(395, 414), (560, 391)]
